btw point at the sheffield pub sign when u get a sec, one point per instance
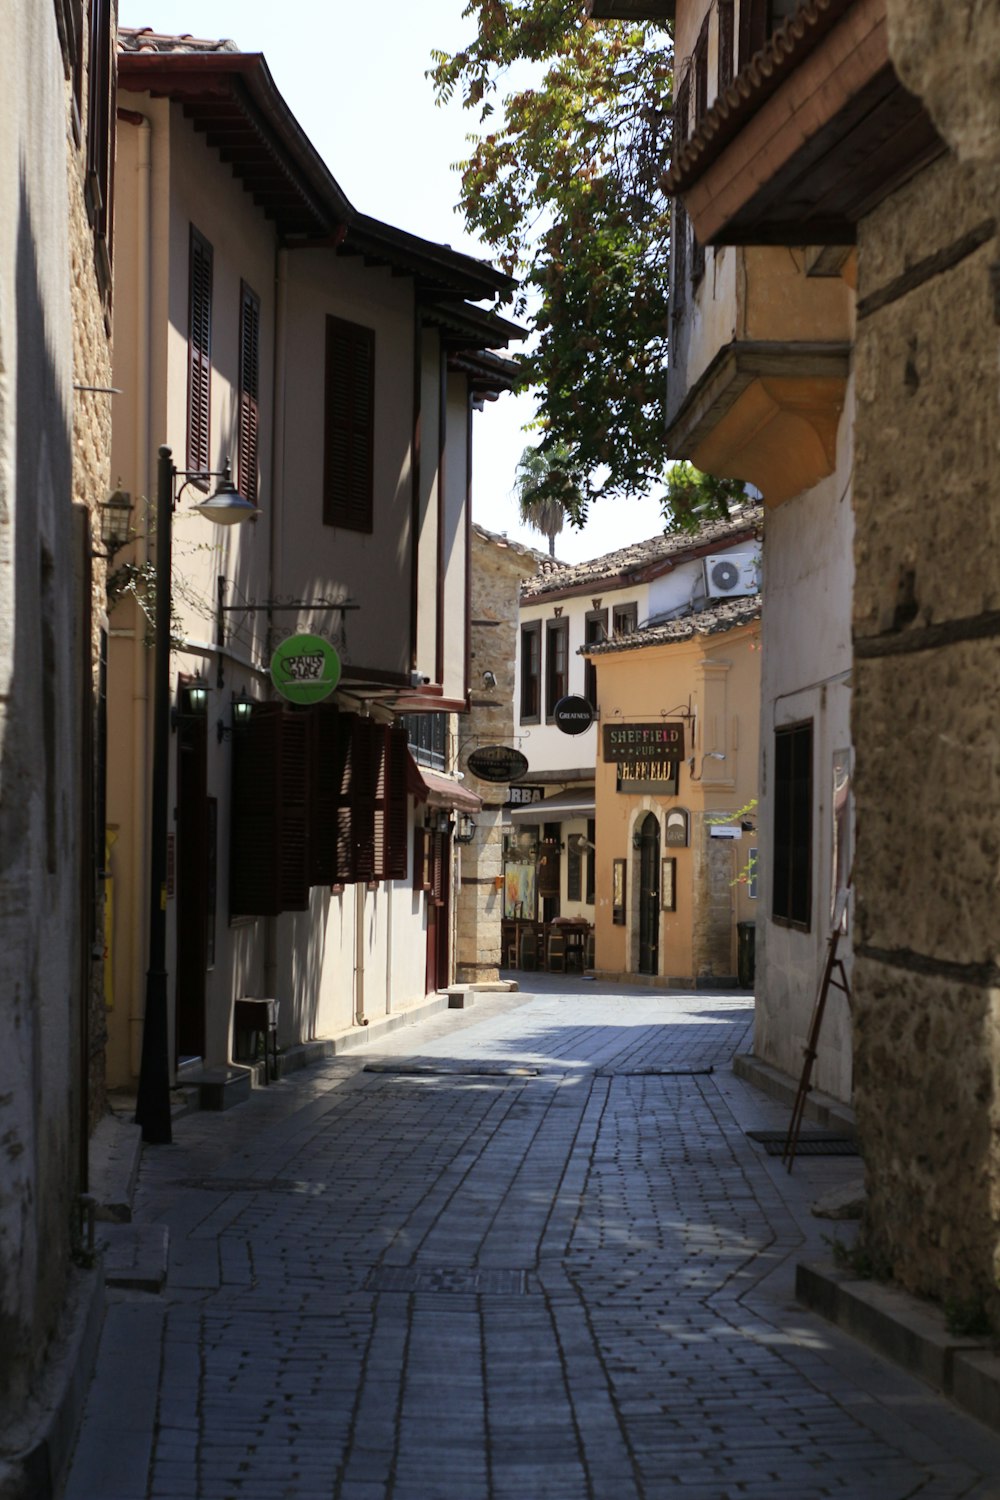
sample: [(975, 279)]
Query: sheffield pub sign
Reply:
[(662, 741)]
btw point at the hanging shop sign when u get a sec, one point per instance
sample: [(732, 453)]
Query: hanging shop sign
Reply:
[(573, 715), (676, 835), (662, 741), (498, 763), (305, 669)]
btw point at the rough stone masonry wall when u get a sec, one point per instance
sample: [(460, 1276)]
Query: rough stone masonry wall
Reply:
[(497, 570), (92, 415), (926, 689), (712, 924)]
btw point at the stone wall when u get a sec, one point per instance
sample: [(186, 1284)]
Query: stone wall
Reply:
[(498, 565), (926, 686), (713, 933)]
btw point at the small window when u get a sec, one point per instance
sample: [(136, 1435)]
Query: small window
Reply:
[(531, 672), (249, 392), (556, 663), (700, 70), (349, 437), (625, 619), (199, 355), (595, 630), (792, 876), (591, 860)]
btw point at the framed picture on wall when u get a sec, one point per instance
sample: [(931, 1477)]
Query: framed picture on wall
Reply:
[(618, 867), (668, 884)]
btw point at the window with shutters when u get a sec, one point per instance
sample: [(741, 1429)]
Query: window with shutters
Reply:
[(269, 861), (330, 820), (531, 672), (397, 820), (625, 619), (366, 757), (199, 356), (423, 863), (556, 663), (249, 387), (349, 426), (791, 889)]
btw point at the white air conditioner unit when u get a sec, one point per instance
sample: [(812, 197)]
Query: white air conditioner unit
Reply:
[(731, 574)]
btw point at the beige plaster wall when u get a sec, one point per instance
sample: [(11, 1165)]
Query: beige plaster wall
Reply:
[(926, 686)]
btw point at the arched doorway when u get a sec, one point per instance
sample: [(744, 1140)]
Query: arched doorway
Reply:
[(649, 895)]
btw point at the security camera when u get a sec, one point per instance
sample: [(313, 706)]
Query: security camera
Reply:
[(489, 679), (417, 679)]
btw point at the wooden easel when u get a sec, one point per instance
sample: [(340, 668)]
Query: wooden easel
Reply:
[(834, 965)]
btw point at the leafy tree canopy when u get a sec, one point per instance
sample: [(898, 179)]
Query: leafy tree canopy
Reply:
[(563, 184), (692, 497)]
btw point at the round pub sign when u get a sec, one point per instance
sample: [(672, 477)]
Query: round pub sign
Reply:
[(305, 669), (573, 715)]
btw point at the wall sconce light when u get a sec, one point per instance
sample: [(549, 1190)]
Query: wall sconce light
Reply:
[(193, 696), (465, 829), (709, 755), (242, 708), (115, 512)]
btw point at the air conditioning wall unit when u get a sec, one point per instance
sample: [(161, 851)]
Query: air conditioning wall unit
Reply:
[(731, 575)]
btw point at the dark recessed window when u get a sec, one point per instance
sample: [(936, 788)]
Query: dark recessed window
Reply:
[(625, 619), (199, 355), (793, 776), (595, 630), (556, 663), (531, 672), (249, 392), (349, 438)]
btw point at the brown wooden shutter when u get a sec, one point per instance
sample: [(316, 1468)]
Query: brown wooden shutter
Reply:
[(349, 426), (294, 847), (364, 783), (397, 809), (248, 391), (381, 750), (199, 355), (423, 864), (256, 815), (438, 866), (329, 839)]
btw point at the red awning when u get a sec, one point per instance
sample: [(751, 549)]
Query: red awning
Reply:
[(440, 791)]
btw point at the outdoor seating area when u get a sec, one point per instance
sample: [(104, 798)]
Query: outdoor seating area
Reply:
[(562, 946)]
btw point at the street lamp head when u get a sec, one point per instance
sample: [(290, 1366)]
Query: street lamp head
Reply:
[(226, 506)]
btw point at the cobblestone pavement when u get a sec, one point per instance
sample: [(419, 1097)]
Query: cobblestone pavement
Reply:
[(523, 1252)]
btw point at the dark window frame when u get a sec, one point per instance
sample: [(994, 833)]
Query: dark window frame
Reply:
[(625, 619), (594, 619), (725, 55), (349, 426), (556, 651), (531, 681), (793, 782)]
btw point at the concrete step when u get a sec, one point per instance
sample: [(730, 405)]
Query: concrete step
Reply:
[(134, 1256), (115, 1149)]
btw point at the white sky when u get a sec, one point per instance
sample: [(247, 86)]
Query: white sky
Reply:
[(354, 79)]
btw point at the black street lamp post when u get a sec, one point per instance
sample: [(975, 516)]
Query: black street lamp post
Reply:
[(224, 506)]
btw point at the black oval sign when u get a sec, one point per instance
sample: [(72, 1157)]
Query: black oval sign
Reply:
[(498, 763), (573, 715)]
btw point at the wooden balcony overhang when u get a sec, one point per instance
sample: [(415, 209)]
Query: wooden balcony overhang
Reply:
[(813, 133), (767, 413)]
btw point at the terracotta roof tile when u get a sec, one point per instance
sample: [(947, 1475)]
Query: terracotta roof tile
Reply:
[(725, 615), (631, 559)]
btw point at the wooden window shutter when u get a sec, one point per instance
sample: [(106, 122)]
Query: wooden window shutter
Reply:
[(294, 850), (423, 865), (397, 807), (438, 867), (349, 426), (381, 751), (255, 824), (249, 392), (199, 355), (330, 751), (367, 736)]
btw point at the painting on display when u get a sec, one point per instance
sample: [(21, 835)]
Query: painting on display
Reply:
[(519, 896)]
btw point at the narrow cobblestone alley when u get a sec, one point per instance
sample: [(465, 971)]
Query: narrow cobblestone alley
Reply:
[(521, 1252)]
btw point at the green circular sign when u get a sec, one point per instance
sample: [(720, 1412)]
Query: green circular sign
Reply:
[(305, 669)]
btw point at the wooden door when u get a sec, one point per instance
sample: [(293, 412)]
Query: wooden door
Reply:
[(649, 896)]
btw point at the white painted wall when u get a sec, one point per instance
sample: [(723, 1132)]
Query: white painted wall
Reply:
[(806, 661)]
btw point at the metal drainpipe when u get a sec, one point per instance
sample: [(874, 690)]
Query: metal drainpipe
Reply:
[(359, 955), (274, 523)]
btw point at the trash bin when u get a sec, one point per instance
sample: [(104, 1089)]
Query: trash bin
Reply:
[(746, 953)]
